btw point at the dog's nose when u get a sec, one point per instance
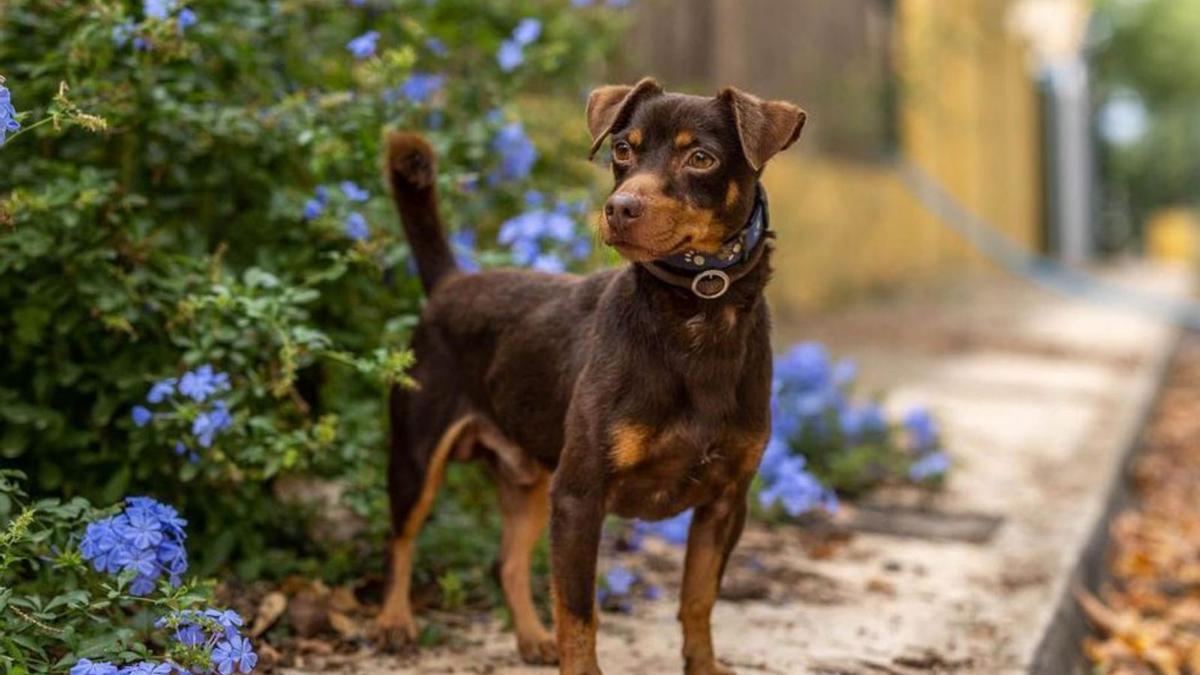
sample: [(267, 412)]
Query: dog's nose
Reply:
[(622, 209)]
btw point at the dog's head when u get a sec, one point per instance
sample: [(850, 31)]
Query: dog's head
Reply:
[(685, 167)]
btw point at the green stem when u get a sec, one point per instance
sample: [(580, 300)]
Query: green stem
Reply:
[(31, 127)]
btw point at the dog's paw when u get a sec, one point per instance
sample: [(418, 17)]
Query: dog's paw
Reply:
[(394, 632), (707, 668), (410, 160), (538, 649)]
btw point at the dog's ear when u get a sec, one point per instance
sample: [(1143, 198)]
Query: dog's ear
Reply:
[(608, 106), (765, 128)]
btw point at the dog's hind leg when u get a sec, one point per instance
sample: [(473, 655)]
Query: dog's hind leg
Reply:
[(525, 510), (417, 467)]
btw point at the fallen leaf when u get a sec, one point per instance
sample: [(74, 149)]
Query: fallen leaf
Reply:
[(270, 609)]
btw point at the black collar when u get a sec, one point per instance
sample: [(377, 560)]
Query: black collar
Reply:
[(710, 276)]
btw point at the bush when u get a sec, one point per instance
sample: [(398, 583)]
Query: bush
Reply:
[(193, 194), (130, 606)]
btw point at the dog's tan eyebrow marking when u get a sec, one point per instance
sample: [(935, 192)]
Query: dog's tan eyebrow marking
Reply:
[(635, 137), (628, 444), (732, 194), (684, 138)]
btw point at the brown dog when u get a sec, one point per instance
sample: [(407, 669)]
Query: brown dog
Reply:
[(641, 391)]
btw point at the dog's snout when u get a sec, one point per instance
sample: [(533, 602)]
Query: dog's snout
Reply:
[(623, 208)]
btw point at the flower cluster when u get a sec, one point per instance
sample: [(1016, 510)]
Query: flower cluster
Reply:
[(546, 239), (203, 642), (210, 639), (8, 114), (421, 87), (512, 50), (517, 154), (820, 428), (191, 395), (156, 10), (146, 539), (355, 224)]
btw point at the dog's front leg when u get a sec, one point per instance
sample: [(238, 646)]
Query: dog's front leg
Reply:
[(577, 514), (715, 530)]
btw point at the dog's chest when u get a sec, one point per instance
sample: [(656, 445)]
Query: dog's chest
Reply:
[(660, 472)]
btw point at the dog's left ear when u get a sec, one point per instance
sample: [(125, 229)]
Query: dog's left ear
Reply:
[(765, 128), (608, 106)]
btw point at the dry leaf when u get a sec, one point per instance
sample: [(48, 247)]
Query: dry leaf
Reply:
[(270, 609)]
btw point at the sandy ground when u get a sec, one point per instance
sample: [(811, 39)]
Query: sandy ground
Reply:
[(1036, 395)]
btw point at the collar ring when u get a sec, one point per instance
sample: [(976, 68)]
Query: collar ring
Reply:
[(708, 276)]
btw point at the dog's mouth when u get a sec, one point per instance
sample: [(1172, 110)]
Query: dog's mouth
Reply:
[(636, 252)]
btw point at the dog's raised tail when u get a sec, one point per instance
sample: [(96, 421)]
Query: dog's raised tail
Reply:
[(412, 176)]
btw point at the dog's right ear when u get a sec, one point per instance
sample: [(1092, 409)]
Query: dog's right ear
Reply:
[(610, 105)]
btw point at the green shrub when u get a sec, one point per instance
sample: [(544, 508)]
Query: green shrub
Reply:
[(175, 200)]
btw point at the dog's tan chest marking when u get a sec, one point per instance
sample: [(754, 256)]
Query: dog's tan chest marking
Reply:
[(661, 471), (628, 444)]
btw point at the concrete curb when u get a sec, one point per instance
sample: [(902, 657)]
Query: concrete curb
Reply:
[(1062, 630)]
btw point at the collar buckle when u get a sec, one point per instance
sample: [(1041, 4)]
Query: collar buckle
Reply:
[(711, 284)]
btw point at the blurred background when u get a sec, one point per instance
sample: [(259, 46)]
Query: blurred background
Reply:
[(1068, 126)]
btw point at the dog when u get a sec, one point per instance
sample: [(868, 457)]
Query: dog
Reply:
[(640, 391)]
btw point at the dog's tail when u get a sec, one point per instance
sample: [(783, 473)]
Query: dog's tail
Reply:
[(411, 174)]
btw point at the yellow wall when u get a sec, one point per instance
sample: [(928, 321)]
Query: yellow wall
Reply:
[(968, 115)]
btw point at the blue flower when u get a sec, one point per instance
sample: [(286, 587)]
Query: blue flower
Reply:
[(190, 635), (420, 87), (436, 46), (930, 466), (787, 483), (122, 32), (463, 243), (619, 580), (202, 382), (312, 209), (353, 192), (517, 154), (89, 667), (208, 424), (234, 655), (142, 415), (363, 46), (527, 31), (619, 3), (922, 429), (141, 527), (8, 114), (186, 19), (356, 227), (510, 55), (161, 390), (157, 9), (672, 530)]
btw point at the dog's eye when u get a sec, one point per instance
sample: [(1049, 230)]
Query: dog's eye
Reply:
[(622, 151), (701, 160)]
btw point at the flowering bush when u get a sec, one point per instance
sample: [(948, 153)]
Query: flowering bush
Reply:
[(57, 613), (204, 283), (846, 443)]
